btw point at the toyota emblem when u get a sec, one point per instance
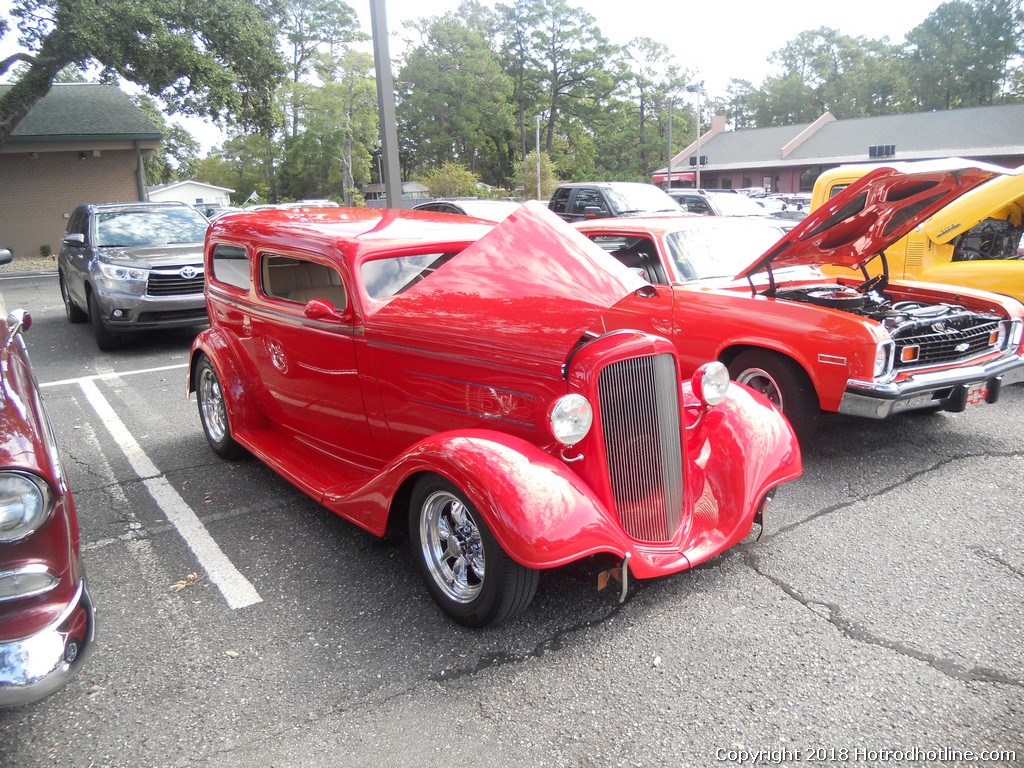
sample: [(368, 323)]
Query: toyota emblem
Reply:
[(187, 273)]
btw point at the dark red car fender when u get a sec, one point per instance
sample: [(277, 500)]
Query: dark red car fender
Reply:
[(542, 514)]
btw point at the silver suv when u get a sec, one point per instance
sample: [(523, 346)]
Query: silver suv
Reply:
[(133, 267)]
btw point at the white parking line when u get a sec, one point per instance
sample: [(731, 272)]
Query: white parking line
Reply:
[(236, 589)]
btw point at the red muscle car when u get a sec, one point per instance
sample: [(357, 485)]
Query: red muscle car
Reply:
[(46, 615), (438, 375), (750, 296)]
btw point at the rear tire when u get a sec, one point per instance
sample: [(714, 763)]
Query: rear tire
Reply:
[(466, 571), (783, 382), (105, 340), (213, 412)]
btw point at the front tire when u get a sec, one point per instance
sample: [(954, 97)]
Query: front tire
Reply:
[(72, 310), (213, 412), (466, 571), (784, 383), (105, 340)]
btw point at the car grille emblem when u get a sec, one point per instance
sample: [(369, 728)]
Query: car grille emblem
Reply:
[(962, 347), (187, 273)]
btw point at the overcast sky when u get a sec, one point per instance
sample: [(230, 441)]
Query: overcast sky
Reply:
[(714, 41)]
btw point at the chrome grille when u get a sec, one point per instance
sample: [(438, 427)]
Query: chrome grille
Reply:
[(640, 414), (949, 342), (169, 282)]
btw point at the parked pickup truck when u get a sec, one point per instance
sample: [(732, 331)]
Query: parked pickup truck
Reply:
[(975, 241)]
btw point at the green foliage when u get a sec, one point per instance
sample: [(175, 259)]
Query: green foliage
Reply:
[(450, 180), (176, 157), (209, 57)]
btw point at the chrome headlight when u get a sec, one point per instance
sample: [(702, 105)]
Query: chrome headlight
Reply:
[(710, 383), (1015, 334), (116, 273), (25, 504), (571, 418), (884, 358)]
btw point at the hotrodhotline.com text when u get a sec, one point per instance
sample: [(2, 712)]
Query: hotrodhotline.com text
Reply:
[(923, 756)]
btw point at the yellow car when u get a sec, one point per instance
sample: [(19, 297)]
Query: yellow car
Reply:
[(975, 241)]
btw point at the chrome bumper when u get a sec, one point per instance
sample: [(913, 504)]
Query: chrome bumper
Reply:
[(944, 390), (35, 666)]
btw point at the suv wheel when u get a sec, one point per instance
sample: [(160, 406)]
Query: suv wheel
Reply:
[(105, 340), (72, 310)]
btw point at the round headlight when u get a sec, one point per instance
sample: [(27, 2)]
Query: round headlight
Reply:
[(24, 505), (710, 383), (571, 418)]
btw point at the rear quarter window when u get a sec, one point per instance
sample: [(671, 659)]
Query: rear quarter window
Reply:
[(231, 266)]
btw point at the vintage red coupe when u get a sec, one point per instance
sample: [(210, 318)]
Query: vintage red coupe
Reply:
[(441, 375), (750, 296), (46, 616)]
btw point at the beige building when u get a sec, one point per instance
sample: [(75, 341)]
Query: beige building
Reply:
[(81, 143)]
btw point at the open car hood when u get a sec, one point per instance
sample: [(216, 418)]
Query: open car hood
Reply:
[(976, 206), (531, 286), (874, 212)]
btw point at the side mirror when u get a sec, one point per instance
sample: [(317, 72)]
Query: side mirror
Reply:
[(5, 256), (594, 212), (75, 239), (318, 309)]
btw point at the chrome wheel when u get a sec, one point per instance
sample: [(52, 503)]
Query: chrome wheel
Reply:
[(213, 412), (211, 405), (453, 550), (761, 381)]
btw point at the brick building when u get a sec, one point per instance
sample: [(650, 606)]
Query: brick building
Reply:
[(82, 142)]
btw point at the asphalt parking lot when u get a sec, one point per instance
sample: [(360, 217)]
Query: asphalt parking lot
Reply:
[(877, 621)]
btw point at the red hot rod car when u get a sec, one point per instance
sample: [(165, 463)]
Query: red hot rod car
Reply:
[(438, 374)]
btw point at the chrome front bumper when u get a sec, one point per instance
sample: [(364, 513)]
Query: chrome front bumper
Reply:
[(942, 390), (35, 666)]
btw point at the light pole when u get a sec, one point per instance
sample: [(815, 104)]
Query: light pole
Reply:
[(538, 157), (696, 88), (669, 184)]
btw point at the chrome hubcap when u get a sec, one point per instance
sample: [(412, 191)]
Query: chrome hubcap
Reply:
[(761, 381), (452, 547), (211, 404)]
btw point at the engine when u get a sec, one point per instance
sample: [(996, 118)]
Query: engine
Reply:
[(989, 239), (932, 333)]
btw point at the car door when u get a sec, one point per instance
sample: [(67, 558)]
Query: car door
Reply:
[(75, 255), (307, 362)]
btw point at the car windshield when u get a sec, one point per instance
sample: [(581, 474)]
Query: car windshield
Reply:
[(140, 228), (630, 198), (389, 277), (716, 251)]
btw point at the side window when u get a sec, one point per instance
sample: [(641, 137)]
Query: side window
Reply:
[(558, 202), (299, 280), (231, 266), (696, 205), (77, 224), (586, 198)]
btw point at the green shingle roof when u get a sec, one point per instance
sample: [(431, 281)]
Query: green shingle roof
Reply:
[(75, 110)]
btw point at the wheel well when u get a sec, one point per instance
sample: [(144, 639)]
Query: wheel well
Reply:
[(398, 512)]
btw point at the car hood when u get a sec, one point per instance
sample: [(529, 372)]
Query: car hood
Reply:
[(977, 205), (172, 254), (526, 291), (874, 212)]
